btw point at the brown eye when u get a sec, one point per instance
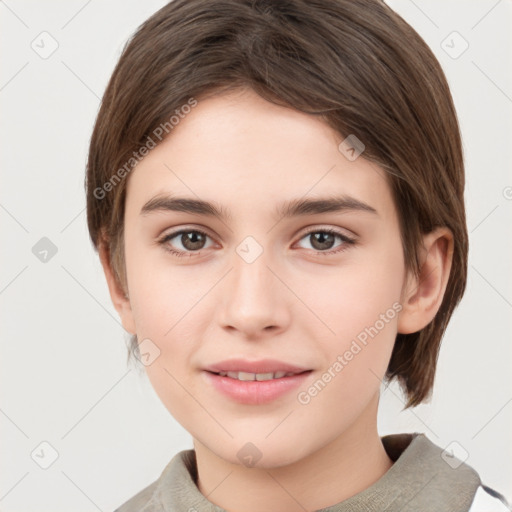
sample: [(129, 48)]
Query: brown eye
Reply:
[(185, 242), (193, 240), (323, 241)]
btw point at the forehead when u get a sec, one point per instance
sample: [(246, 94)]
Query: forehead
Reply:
[(242, 151)]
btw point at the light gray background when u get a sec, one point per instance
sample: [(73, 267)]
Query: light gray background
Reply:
[(64, 378)]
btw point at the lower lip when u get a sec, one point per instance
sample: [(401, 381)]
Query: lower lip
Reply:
[(255, 392)]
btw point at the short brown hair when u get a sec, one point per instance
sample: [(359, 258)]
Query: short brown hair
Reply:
[(355, 63)]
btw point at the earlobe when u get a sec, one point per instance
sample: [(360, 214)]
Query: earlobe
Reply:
[(422, 295), (119, 297)]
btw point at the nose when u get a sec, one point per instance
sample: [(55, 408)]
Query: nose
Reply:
[(254, 301)]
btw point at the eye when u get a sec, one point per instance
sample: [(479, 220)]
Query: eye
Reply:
[(323, 241), (190, 240)]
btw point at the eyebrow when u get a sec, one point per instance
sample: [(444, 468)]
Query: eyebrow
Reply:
[(292, 208)]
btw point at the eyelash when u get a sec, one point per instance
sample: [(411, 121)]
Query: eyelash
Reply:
[(163, 241)]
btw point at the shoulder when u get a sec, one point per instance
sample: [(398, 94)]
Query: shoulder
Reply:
[(489, 500), (142, 502), (175, 481)]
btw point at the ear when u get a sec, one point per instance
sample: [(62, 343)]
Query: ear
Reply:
[(422, 296), (117, 294)]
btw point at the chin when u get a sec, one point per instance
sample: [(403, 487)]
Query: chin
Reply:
[(264, 454)]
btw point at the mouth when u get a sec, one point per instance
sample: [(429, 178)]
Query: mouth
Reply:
[(248, 376), (250, 388)]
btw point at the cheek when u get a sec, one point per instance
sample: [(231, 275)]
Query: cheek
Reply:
[(161, 296), (168, 310), (363, 315), (360, 305), (351, 298), (171, 307)]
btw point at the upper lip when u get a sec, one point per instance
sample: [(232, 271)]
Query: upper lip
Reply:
[(258, 366)]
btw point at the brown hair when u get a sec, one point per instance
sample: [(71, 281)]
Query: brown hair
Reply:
[(355, 63)]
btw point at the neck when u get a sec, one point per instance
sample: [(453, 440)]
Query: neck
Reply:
[(344, 467)]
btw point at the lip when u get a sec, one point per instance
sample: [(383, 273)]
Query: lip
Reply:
[(258, 366), (255, 392)]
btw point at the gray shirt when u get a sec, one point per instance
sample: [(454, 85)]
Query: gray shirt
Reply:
[(423, 478)]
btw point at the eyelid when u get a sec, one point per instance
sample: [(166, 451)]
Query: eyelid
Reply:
[(166, 236), (185, 228), (343, 232)]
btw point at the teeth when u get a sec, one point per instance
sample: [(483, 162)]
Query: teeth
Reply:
[(255, 376)]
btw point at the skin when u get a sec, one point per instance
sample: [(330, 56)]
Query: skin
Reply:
[(292, 303)]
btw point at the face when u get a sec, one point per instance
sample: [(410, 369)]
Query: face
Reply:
[(316, 288)]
